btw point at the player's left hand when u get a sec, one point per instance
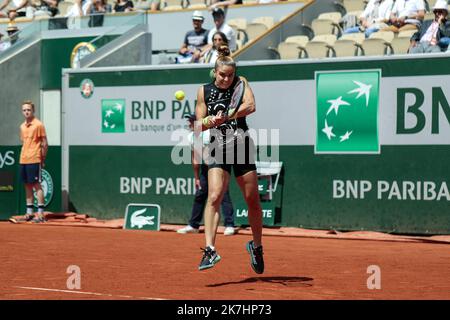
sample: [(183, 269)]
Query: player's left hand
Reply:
[(220, 118)]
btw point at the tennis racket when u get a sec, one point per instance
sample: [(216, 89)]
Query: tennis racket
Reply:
[(230, 111), (236, 99)]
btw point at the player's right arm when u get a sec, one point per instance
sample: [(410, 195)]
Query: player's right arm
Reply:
[(201, 110)]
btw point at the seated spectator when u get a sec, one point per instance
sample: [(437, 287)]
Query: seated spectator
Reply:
[(79, 8), (123, 6), (223, 3), (45, 7), (210, 56), (97, 11), (19, 8), (427, 39), (50, 9), (374, 17), (406, 15), (194, 41), (220, 25)]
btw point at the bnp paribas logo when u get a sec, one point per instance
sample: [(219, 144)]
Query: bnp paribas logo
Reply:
[(347, 111), (113, 115)]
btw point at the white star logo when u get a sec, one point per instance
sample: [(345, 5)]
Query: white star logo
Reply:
[(346, 136), (118, 107), (109, 113), (328, 131), (105, 123), (364, 89), (335, 104)]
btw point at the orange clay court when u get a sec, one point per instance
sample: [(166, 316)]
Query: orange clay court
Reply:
[(125, 264)]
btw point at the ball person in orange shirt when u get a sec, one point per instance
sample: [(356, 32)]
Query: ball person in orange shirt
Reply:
[(32, 158)]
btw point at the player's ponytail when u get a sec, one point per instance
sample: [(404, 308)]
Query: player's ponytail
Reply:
[(224, 58), (223, 51)]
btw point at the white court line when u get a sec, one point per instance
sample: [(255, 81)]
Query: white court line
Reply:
[(88, 293)]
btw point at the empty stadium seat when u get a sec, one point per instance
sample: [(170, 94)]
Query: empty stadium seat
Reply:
[(268, 21), (254, 30), (299, 40), (373, 47), (322, 26), (318, 47), (351, 8), (315, 49), (357, 37), (290, 47), (400, 45), (334, 16), (330, 39), (288, 50), (344, 48), (196, 4), (239, 25), (354, 5), (387, 36)]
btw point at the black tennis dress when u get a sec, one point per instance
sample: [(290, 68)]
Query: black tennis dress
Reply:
[(231, 145)]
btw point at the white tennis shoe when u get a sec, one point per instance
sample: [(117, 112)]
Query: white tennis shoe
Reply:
[(187, 229), (229, 231)]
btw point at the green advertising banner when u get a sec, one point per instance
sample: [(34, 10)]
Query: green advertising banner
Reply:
[(363, 144), (347, 112)]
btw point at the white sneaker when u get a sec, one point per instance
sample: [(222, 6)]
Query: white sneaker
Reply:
[(187, 229), (229, 231)]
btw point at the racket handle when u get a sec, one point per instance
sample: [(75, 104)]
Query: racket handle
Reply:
[(232, 113), (205, 122)]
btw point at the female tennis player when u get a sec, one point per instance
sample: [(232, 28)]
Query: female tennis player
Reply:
[(232, 148)]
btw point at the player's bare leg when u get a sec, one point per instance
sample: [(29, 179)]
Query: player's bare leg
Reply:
[(218, 180), (217, 183), (249, 186)]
